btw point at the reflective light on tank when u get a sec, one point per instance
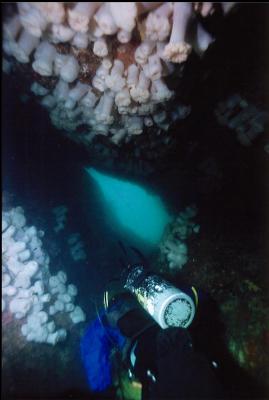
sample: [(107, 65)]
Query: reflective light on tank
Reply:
[(136, 209)]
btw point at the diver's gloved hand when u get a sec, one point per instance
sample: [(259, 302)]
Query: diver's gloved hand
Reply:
[(182, 373)]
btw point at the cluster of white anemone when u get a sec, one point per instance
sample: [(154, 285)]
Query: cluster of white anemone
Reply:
[(60, 214), (76, 247), (75, 244), (238, 114), (29, 292), (173, 245), (122, 99)]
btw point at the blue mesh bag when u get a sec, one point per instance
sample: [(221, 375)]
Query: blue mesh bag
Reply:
[(95, 346)]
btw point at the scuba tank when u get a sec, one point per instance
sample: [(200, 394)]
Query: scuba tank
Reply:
[(168, 305)]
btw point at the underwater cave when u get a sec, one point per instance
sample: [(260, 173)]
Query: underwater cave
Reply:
[(135, 200)]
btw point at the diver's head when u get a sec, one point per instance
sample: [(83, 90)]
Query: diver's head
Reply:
[(119, 305)]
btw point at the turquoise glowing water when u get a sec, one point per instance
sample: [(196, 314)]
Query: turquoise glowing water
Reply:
[(135, 208)]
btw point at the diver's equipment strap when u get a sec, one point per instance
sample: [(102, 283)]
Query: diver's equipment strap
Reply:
[(196, 298)]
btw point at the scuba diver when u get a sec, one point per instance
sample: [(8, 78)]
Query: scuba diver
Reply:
[(147, 331)]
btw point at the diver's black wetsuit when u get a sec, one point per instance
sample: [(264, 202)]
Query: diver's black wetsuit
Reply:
[(181, 373), (169, 368)]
